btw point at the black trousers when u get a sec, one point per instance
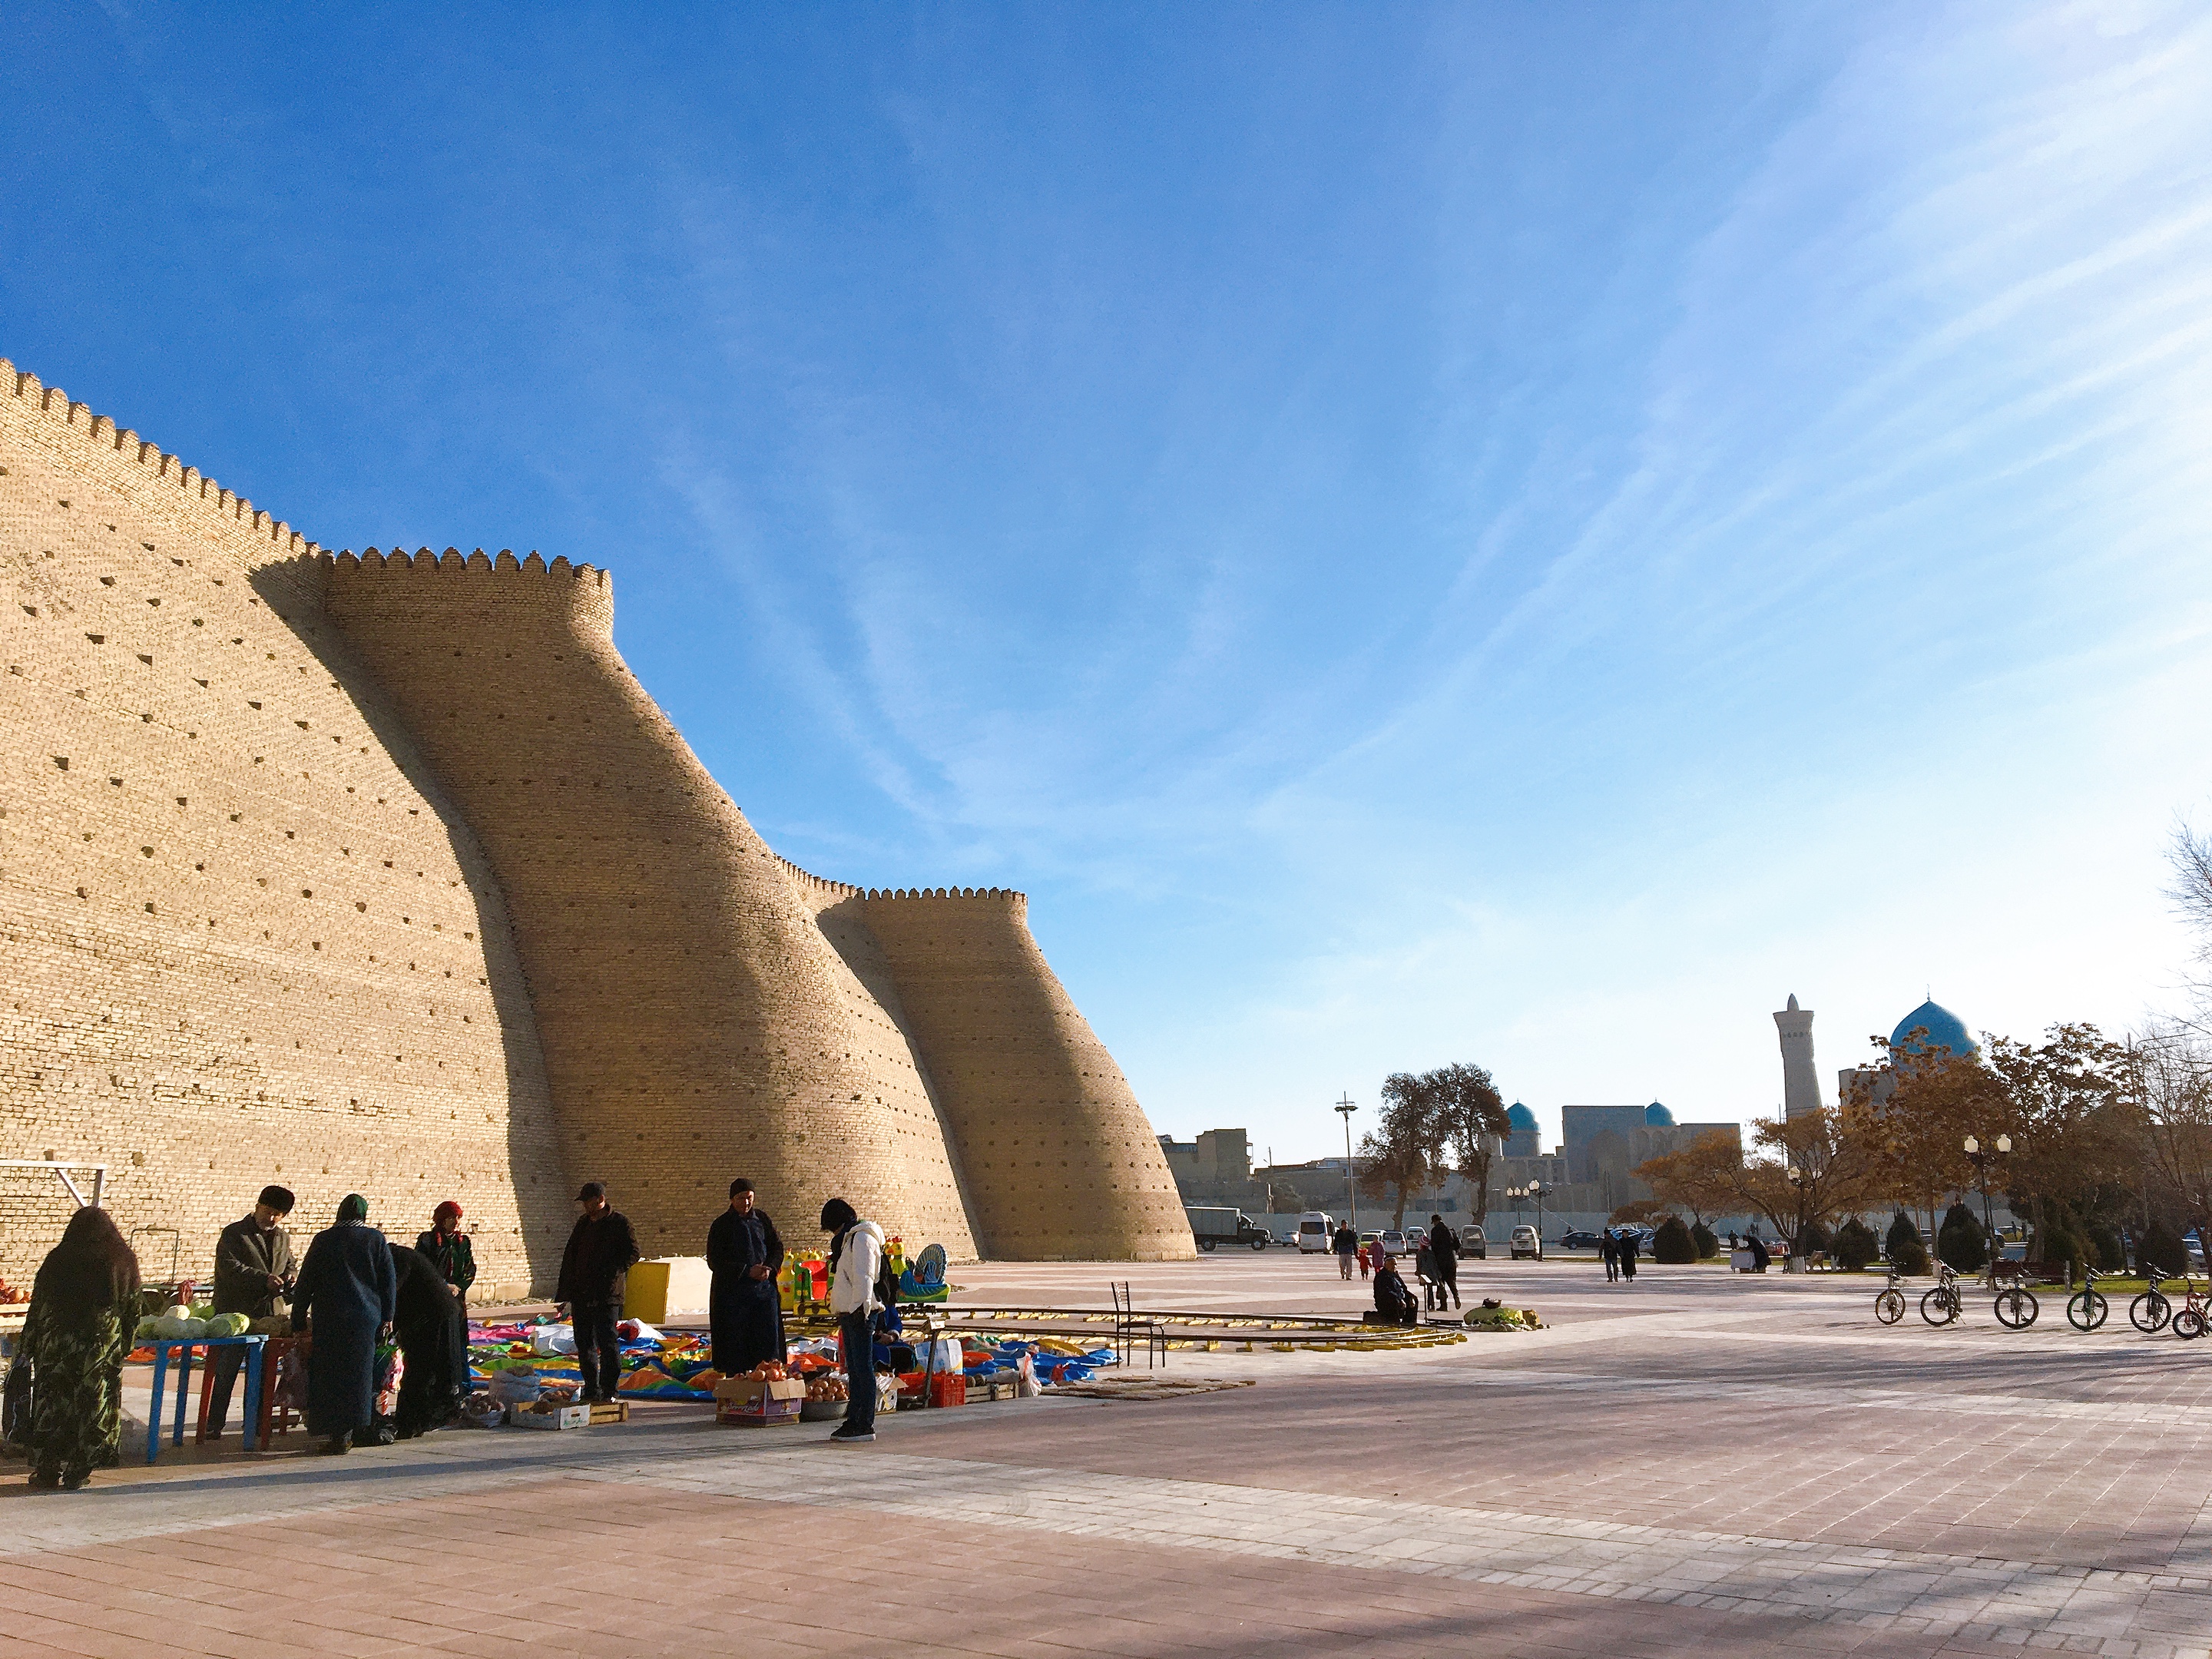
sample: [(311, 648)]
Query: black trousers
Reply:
[(599, 1350), (859, 1330), (224, 1366)]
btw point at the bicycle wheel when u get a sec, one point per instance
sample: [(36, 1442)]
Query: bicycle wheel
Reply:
[(2189, 1324), (2017, 1309), (1937, 1308), (2086, 1310), (2149, 1312), (1889, 1306)]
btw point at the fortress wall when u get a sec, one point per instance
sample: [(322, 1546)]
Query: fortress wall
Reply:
[(248, 936), (1059, 1161), (697, 1022)]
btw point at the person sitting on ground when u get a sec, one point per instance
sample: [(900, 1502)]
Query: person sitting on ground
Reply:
[(1391, 1299)]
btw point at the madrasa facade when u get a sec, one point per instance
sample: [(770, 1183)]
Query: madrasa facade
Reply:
[(383, 873)]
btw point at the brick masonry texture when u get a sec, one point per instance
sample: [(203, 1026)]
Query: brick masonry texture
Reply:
[(249, 937), (384, 873)]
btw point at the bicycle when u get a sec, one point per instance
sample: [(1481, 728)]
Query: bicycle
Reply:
[(1889, 1301), (1941, 1305), (2017, 1307), (2189, 1318), (2149, 1312), (2087, 1308)]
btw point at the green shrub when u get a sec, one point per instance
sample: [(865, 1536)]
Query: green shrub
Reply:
[(1671, 1242), (1814, 1238), (2059, 1238), (1856, 1244), (1904, 1247), (1961, 1240), (2105, 1248), (1708, 1242), (2160, 1247)]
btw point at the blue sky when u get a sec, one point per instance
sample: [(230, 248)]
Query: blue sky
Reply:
[(1496, 532)]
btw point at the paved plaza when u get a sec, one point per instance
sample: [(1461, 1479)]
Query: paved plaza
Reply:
[(1696, 1464)]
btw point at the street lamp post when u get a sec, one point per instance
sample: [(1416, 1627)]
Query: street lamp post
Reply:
[(1344, 1109), (1534, 1190), (1795, 1262), (1981, 1160)]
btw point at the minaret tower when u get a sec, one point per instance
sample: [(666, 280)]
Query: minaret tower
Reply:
[(1801, 1083)]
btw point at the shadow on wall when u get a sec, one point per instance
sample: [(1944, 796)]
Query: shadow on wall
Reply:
[(292, 588)]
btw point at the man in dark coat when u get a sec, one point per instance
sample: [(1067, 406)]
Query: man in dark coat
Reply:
[(1444, 1251), (600, 1250), (253, 1271), (745, 1253), (1391, 1299), (433, 1334), (346, 1297), (1608, 1251)]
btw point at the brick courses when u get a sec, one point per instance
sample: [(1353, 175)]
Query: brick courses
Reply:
[(257, 863)]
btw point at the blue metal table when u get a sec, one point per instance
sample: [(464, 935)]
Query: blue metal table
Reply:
[(182, 1347)]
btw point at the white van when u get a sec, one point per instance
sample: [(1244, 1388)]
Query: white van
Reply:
[(1315, 1231)]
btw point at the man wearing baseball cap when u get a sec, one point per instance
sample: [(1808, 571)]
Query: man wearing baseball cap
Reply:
[(592, 1268)]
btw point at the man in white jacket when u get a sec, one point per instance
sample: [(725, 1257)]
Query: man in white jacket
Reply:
[(856, 1258)]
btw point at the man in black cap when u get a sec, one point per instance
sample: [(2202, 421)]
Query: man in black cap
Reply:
[(600, 1250), (253, 1272)]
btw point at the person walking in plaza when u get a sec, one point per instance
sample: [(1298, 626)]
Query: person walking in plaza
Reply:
[(1443, 1249), (345, 1299), (1630, 1239), (84, 1307), (1425, 1270), (856, 1257), (744, 1252), (450, 1253), (1345, 1243), (601, 1248), (1608, 1251), (253, 1272), (433, 1335)]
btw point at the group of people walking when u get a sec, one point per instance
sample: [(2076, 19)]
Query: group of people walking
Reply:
[(360, 1302), (1618, 1251)]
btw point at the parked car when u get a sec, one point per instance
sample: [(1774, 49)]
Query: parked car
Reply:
[(1578, 1239), (1526, 1244), (1393, 1242), (1472, 1245)]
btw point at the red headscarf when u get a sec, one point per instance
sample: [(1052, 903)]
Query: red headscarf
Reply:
[(448, 1208)]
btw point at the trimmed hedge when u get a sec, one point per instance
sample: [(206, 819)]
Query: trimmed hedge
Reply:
[(1855, 1245), (1672, 1243), (1904, 1247), (1961, 1240), (1708, 1241)]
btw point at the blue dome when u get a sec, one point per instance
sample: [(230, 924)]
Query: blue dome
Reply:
[(1657, 1116), (1520, 1117), (1941, 1028)]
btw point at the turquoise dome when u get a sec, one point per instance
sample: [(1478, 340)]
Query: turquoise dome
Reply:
[(1657, 1116), (1942, 1030), (1520, 1117)]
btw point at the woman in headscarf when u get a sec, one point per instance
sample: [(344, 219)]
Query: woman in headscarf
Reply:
[(433, 1335), (84, 1307), (346, 1297), (450, 1252)]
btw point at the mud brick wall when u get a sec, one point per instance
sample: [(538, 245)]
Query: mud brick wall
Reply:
[(696, 1024), (248, 937), (1060, 1162)]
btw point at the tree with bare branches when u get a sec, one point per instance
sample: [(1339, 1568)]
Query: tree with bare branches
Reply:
[(1402, 1151), (1470, 1120), (1812, 1168), (1700, 1178)]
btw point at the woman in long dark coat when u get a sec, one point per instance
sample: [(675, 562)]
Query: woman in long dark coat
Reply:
[(433, 1334), (346, 1294), (84, 1307)]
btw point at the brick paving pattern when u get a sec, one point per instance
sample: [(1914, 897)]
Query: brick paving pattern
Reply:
[(1695, 1465)]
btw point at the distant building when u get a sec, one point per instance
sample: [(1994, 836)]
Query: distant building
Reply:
[(1800, 1080), (1592, 1170), (1930, 1031)]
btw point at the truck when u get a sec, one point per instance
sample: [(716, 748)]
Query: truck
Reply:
[(1211, 1227)]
